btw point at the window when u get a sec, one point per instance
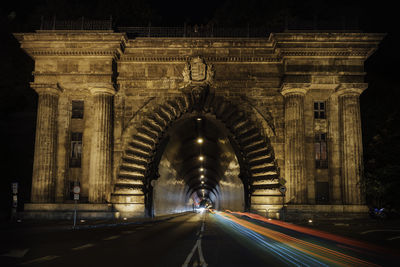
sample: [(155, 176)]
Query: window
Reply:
[(321, 154), (322, 192), (76, 150), (319, 110), (77, 109)]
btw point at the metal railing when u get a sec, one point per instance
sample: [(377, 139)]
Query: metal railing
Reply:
[(202, 31), (193, 31), (79, 24)]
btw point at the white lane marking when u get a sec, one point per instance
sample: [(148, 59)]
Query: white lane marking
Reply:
[(199, 250), (380, 230), (16, 253), (127, 232), (84, 246), (39, 260), (393, 238), (111, 237)]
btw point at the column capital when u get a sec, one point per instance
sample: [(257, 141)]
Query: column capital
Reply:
[(351, 89), (294, 89), (106, 89), (46, 88)]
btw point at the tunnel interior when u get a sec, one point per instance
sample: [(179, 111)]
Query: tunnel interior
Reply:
[(196, 166)]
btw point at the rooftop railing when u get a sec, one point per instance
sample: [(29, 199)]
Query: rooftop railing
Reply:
[(199, 31)]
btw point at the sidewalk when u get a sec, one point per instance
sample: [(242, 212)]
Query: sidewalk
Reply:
[(56, 225)]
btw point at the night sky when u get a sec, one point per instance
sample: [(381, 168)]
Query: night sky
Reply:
[(380, 106)]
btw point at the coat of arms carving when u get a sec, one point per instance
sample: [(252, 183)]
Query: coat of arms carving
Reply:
[(196, 71)]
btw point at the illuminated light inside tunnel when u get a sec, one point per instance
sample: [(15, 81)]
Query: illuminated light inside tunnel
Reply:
[(197, 168)]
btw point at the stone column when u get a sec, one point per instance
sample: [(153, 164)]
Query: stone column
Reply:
[(351, 143), (44, 164), (101, 150), (295, 168)]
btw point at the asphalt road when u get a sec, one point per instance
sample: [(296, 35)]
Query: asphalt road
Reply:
[(208, 239)]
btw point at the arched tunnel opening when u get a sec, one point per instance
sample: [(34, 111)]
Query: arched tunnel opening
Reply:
[(195, 167)]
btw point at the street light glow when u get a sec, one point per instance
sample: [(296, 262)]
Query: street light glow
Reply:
[(200, 140), (202, 176), (201, 158), (201, 169)]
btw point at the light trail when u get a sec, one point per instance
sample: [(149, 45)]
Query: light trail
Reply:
[(321, 234), (290, 250)]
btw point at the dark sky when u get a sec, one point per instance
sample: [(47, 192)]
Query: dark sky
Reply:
[(18, 101)]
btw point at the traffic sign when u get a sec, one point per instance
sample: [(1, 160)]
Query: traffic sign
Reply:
[(282, 181), (76, 196), (282, 189), (76, 189), (14, 187)]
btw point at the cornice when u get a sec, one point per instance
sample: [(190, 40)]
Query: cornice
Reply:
[(324, 53), (85, 53), (183, 59), (35, 73)]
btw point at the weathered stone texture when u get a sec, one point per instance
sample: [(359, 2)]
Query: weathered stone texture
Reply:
[(274, 81)]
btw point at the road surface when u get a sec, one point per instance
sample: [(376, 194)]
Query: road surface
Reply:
[(194, 239)]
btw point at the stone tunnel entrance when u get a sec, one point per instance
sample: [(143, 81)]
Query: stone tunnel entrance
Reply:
[(198, 165), (194, 149)]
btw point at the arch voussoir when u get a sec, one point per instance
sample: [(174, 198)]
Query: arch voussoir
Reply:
[(253, 146)]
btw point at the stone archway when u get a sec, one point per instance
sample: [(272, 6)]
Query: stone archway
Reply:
[(138, 167)]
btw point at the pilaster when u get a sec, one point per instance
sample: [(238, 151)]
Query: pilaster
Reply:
[(351, 142), (44, 165), (101, 150), (295, 168)]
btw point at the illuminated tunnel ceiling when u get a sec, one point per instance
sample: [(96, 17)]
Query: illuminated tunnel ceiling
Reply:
[(185, 150)]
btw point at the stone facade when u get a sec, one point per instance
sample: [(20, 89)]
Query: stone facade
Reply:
[(264, 90)]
